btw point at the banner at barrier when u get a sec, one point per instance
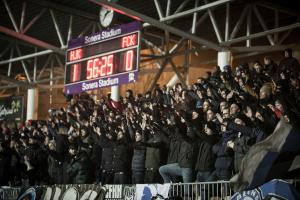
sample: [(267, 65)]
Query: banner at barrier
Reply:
[(147, 191), (11, 108), (117, 192)]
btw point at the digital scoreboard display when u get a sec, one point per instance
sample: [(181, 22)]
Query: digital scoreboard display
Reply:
[(107, 58)]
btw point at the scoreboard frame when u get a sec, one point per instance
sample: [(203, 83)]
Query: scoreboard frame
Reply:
[(87, 44)]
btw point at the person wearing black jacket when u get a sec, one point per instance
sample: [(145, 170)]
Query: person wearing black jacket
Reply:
[(206, 158), (121, 156), (138, 159), (55, 165), (170, 137), (78, 166), (184, 166), (244, 139), (36, 159), (104, 140)]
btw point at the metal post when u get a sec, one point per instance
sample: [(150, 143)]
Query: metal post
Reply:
[(239, 22), (33, 20), (70, 28), (227, 21), (285, 36), (263, 24), (34, 66), (158, 8), (11, 16), (249, 16), (23, 64), (224, 58), (168, 8), (44, 67), (276, 25), (214, 23), (36, 54), (57, 29), (23, 16), (9, 65)]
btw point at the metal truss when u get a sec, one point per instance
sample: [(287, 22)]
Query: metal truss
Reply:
[(18, 36), (228, 34), (225, 39)]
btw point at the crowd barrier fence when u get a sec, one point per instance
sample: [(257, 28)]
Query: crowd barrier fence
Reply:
[(219, 190)]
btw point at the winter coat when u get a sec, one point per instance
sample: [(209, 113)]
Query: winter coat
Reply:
[(224, 160), (78, 169), (139, 156), (206, 158), (4, 167), (170, 136), (246, 137), (153, 153), (55, 168), (121, 157)]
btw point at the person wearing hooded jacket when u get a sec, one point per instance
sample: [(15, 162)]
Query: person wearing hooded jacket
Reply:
[(244, 139), (78, 166), (206, 158), (224, 160)]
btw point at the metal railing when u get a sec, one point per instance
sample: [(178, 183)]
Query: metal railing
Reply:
[(219, 190), (201, 191)]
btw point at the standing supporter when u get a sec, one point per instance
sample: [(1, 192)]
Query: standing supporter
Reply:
[(55, 165), (206, 158), (78, 166), (138, 158), (289, 63), (224, 160)]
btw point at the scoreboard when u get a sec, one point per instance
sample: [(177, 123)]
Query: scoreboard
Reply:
[(106, 58)]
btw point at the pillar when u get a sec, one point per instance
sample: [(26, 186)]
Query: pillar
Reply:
[(32, 104), (173, 81), (224, 58), (115, 93)]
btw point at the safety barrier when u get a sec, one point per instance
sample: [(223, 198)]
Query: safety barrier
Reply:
[(184, 191), (206, 190)]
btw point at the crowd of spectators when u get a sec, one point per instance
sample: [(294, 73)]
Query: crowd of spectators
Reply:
[(200, 132)]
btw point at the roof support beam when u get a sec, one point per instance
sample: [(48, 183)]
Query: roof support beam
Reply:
[(285, 36), (156, 23), (5, 78), (262, 34), (249, 23), (239, 22), (10, 64), (198, 9), (36, 54), (33, 20), (11, 16), (22, 16), (263, 24), (227, 21), (280, 8), (62, 44), (31, 40), (5, 50), (158, 9), (261, 48), (23, 64), (214, 23), (65, 9)]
